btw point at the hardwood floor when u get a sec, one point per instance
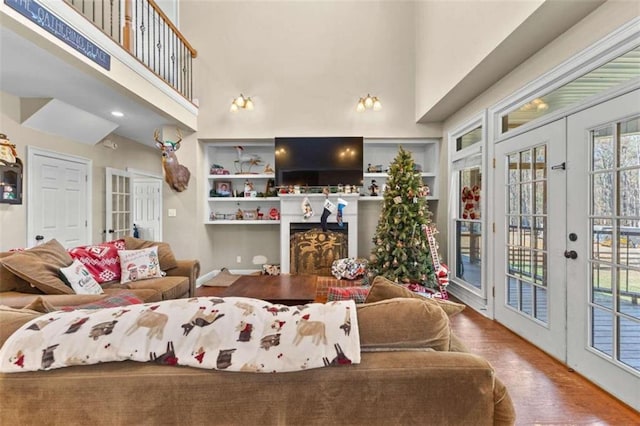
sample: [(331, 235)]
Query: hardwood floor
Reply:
[(543, 390)]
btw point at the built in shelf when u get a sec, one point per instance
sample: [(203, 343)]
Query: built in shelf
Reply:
[(242, 222), (243, 176), (242, 199)]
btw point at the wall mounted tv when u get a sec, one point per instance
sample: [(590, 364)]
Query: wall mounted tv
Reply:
[(319, 161)]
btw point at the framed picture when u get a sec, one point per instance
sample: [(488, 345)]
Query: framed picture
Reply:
[(223, 188)]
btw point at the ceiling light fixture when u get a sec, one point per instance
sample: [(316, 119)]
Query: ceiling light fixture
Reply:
[(369, 102), (117, 114), (241, 103)]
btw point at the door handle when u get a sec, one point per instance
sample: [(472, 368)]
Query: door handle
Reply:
[(570, 254)]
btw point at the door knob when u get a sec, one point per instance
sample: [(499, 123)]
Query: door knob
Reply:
[(39, 237), (570, 254)]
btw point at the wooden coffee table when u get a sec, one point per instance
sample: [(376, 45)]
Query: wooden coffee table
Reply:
[(283, 289)]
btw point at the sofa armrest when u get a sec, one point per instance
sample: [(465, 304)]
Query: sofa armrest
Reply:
[(187, 268)]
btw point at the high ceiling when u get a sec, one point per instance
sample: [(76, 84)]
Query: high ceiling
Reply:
[(29, 71)]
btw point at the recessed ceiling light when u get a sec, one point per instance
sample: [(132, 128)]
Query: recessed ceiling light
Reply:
[(117, 114)]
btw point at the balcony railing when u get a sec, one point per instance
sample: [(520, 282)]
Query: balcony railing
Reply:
[(142, 28)]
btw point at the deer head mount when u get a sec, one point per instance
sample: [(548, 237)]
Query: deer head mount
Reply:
[(175, 174)]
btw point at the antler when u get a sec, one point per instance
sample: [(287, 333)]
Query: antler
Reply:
[(156, 136), (179, 135)]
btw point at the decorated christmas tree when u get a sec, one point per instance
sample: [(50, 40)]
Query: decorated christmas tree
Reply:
[(401, 251)]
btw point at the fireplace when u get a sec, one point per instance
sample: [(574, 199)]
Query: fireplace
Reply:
[(313, 251), (291, 220)]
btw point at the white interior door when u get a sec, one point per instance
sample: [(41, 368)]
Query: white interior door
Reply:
[(604, 214), (530, 235), (58, 204), (147, 207), (117, 204)]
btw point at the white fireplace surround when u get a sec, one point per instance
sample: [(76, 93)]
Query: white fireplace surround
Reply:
[(291, 212)]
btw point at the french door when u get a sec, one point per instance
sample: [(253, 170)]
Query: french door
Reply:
[(117, 204), (530, 235), (567, 241), (603, 211)]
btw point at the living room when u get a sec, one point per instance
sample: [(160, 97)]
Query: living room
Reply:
[(305, 65)]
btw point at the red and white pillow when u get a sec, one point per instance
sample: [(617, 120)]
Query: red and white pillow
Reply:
[(139, 264), (101, 260)]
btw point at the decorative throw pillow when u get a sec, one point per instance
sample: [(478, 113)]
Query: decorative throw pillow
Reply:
[(80, 279), (40, 266), (382, 289), (357, 294), (402, 323), (123, 298), (101, 260), (165, 255), (139, 264)]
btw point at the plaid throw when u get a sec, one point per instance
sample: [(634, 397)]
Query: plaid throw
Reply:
[(119, 299), (357, 294)]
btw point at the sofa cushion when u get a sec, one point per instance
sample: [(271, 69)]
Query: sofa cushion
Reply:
[(80, 279), (139, 264), (41, 305), (168, 287), (165, 254), (10, 281), (40, 266), (402, 323), (101, 260), (12, 319), (382, 289)]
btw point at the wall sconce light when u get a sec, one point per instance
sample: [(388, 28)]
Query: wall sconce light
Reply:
[(241, 103), (369, 102)]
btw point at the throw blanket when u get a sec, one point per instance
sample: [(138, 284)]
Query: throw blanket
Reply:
[(233, 334)]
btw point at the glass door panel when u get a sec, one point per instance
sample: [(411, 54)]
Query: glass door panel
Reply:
[(529, 202)]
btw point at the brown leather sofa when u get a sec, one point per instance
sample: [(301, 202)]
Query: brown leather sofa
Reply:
[(42, 263), (412, 371)]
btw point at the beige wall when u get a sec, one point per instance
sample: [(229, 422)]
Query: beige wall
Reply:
[(453, 37), (13, 218), (305, 64)]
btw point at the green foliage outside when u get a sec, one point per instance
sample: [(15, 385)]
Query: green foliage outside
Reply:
[(401, 251)]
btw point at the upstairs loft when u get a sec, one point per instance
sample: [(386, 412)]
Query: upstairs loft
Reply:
[(77, 61)]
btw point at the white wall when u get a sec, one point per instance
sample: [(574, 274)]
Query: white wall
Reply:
[(453, 37)]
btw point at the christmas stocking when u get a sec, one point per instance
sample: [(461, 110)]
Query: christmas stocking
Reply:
[(329, 208), (341, 205), (307, 211)]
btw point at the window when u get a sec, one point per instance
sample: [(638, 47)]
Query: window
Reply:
[(616, 72)]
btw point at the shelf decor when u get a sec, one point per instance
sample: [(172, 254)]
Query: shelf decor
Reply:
[(10, 173)]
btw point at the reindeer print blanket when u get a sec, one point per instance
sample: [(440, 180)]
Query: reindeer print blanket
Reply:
[(232, 334)]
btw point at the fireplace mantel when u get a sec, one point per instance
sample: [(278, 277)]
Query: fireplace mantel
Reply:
[(291, 212)]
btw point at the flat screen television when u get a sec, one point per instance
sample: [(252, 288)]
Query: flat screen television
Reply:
[(319, 161)]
